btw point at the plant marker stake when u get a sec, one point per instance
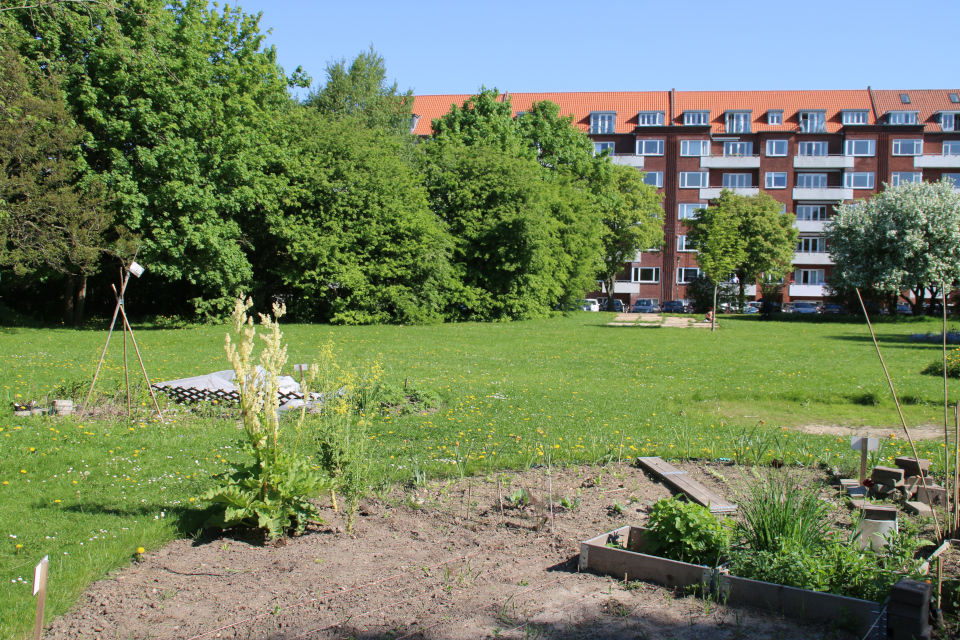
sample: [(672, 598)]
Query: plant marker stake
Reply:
[(40, 587), (116, 310), (126, 323), (863, 445), (126, 368), (956, 469), (903, 421)]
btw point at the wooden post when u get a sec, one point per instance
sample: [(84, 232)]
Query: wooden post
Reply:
[(40, 590), (863, 445)]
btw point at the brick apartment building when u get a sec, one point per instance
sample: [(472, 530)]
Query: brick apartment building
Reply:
[(810, 150)]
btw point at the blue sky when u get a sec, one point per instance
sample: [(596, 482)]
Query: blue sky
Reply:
[(455, 47)]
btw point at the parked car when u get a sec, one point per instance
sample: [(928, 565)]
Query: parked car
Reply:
[(752, 307), (674, 306), (833, 308), (903, 309), (806, 307), (618, 306), (646, 305), (787, 307), (591, 304)]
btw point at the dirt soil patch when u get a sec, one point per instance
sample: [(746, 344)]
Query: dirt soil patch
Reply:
[(443, 560), (921, 432)]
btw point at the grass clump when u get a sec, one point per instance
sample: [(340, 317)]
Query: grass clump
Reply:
[(953, 365)]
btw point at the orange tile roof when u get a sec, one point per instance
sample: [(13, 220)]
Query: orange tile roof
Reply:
[(927, 101), (628, 103)]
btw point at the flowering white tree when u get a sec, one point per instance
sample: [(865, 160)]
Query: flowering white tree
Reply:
[(907, 237)]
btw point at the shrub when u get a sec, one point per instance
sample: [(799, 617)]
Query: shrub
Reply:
[(953, 365), (686, 532), (272, 492)]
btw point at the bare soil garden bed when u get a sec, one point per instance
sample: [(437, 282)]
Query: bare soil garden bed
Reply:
[(440, 560)]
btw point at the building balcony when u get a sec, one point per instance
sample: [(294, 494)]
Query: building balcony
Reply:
[(823, 162), (628, 159), (714, 192), (810, 226), (622, 286), (815, 259), (936, 162), (808, 290), (729, 162), (823, 193)]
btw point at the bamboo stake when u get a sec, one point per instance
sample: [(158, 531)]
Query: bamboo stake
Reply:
[(956, 468), (903, 421), (126, 368), (103, 354), (126, 322), (950, 525)]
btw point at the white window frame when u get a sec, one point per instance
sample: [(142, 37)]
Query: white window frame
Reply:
[(738, 121), (857, 116), (685, 210), (811, 181), (858, 180), (812, 212), (914, 147), (657, 147), (740, 180), (812, 244), (902, 117), (776, 180), (804, 148), (951, 148), (657, 178), (637, 274), (903, 177), (600, 147), (602, 122), (814, 121), (807, 276), (682, 271), (650, 119), (702, 181), (774, 117), (952, 176), (696, 118), (772, 148), (737, 149), (853, 147), (949, 120), (687, 145), (683, 245)]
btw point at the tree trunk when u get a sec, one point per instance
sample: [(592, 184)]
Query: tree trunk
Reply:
[(917, 306), (609, 284), (81, 301), (742, 292), (68, 300), (713, 316)]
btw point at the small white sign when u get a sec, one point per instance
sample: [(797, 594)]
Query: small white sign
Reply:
[(136, 269), (40, 574), (301, 367), (857, 443)]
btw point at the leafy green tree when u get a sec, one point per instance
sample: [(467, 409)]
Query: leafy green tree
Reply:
[(50, 219), (632, 218), (176, 99), (559, 145), (354, 241), (486, 120), (715, 233), (904, 238), (361, 90)]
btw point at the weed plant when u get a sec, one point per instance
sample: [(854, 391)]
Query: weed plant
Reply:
[(686, 532), (779, 512)]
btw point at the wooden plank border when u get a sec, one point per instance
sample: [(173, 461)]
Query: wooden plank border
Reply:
[(631, 564), (680, 481)]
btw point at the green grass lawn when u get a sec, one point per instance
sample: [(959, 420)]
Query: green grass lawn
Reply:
[(89, 493)]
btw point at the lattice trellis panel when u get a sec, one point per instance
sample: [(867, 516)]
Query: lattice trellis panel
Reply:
[(190, 394)]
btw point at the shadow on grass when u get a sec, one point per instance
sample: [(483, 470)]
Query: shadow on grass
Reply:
[(188, 522)]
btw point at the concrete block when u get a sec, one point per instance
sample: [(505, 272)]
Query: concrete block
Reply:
[(931, 494), (879, 490), (890, 476), (911, 611), (907, 629), (909, 487), (913, 466), (912, 592), (918, 508), (848, 483)]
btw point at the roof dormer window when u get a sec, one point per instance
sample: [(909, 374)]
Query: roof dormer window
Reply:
[(855, 116), (696, 117), (738, 121), (902, 117), (603, 121), (813, 121), (650, 119), (774, 117)]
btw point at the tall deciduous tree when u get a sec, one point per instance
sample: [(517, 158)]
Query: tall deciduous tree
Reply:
[(50, 218), (632, 218), (354, 241), (904, 238), (360, 89), (715, 234)]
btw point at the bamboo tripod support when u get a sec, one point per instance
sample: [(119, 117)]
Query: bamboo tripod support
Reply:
[(119, 310)]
